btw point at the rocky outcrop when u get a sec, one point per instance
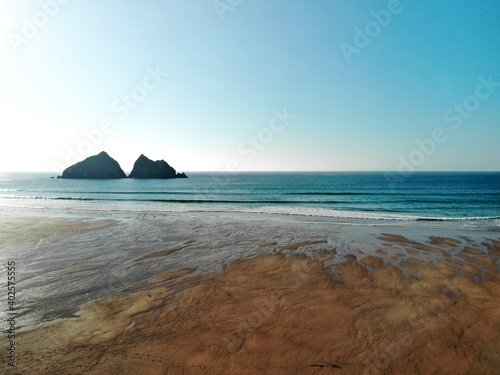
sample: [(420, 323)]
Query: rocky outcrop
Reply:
[(100, 166), (147, 168)]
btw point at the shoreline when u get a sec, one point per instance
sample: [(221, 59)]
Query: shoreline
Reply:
[(123, 252), (83, 208), (199, 294)]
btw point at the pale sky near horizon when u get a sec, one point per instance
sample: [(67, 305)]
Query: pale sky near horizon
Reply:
[(252, 84)]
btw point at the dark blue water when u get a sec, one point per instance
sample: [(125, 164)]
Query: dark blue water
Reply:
[(379, 196)]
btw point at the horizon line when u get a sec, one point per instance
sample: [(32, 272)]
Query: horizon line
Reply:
[(303, 171)]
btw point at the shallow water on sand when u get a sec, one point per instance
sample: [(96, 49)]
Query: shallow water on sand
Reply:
[(64, 262)]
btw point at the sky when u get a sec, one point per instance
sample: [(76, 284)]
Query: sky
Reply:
[(260, 85)]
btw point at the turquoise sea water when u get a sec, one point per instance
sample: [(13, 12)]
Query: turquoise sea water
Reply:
[(459, 197)]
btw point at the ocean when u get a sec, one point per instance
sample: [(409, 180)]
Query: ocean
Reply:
[(472, 199)]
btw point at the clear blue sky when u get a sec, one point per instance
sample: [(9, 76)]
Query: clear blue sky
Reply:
[(351, 101)]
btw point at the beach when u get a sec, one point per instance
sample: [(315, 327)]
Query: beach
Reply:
[(235, 187), (229, 294)]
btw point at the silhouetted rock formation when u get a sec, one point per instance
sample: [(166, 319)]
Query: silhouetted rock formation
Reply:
[(100, 166), (147, 168)]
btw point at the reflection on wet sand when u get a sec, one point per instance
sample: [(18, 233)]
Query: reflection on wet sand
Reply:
[(410, 307)]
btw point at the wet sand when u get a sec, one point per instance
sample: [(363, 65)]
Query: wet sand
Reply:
[(44, 230), (392, 312)]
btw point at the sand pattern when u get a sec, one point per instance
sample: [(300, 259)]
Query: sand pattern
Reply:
[(411, 307)]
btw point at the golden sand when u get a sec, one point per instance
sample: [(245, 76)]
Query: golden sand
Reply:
[(277, 315)]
